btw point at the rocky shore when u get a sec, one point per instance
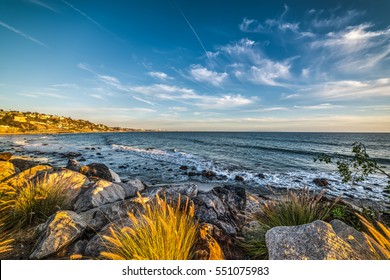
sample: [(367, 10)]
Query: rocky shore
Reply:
[(99, 199)]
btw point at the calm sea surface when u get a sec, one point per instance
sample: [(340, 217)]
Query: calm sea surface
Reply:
[(284, 160)]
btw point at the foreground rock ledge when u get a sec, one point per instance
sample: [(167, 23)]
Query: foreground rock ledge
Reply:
[(60, 230)]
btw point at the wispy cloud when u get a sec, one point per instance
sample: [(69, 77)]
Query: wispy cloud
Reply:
[(328, 19), (44, 5), (202, 74), (28, 37), (254, 26), (352, 89), (174, 93), (160, 75), (324, 106)]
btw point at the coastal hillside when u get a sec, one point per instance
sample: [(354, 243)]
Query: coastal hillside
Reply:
[(32, 122)]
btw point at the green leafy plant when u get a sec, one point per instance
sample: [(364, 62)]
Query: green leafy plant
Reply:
[(162, 231), (356, 168), (297, 208)]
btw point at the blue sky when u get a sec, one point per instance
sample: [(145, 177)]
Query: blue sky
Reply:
[(200, 65)]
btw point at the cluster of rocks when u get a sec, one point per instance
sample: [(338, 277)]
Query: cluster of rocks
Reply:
[(98, 199)]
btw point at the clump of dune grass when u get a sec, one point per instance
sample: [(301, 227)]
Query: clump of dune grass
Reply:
[(298, 208), (381, 234), (162, 231), (33, 202), (5, 241)]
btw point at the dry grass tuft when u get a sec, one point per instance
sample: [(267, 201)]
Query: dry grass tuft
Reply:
[(5, 241), (298, 208), (164, 231), (381, 234), (32, 203)]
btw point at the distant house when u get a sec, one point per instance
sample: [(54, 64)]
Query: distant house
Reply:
[(20, 119)]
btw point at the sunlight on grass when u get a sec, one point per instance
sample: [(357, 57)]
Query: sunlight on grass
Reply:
[(164, 231), (33, 202), (5, 241), (381, 234), (298, 208)]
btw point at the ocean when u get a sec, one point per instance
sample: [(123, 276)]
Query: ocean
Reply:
[(277, 160)]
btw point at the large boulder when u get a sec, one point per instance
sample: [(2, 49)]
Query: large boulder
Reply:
[(223, 207), (60, 230), (100, 193), (100, 170), (74, 165), (172, 190), (69, 181), (314, 241), (5, 156), (98, 218), (7, 170), (25, 176), (23, 164)]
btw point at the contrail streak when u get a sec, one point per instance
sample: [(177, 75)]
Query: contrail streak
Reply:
[(89, 18), (22, 34), (196, 35)]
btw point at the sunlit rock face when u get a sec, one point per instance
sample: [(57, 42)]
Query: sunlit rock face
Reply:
[(23, 177), (314, 241), (60, 230), (98, 194)]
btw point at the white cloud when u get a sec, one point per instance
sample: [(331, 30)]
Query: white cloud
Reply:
[(279, 24), (290, 96), (324, 106), (248, 63), (178, 109), (223, 102), (202, 74), (160, 75), (355, 49), (250, 25), (97, 96), (167, 92)]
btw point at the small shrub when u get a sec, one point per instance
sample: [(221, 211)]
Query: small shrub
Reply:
[(33, 203), (162, 232), (297, 208)]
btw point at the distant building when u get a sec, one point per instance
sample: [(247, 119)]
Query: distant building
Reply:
[(20, 119)]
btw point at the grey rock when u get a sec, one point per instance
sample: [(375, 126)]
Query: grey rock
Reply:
[(169, 190), (100, 193), (223, 207), (314, 241), (74, 165), (115, 176), (98, 243), (23, 164), (97, 170), (5, 156), (98, 218), (60, 230)]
